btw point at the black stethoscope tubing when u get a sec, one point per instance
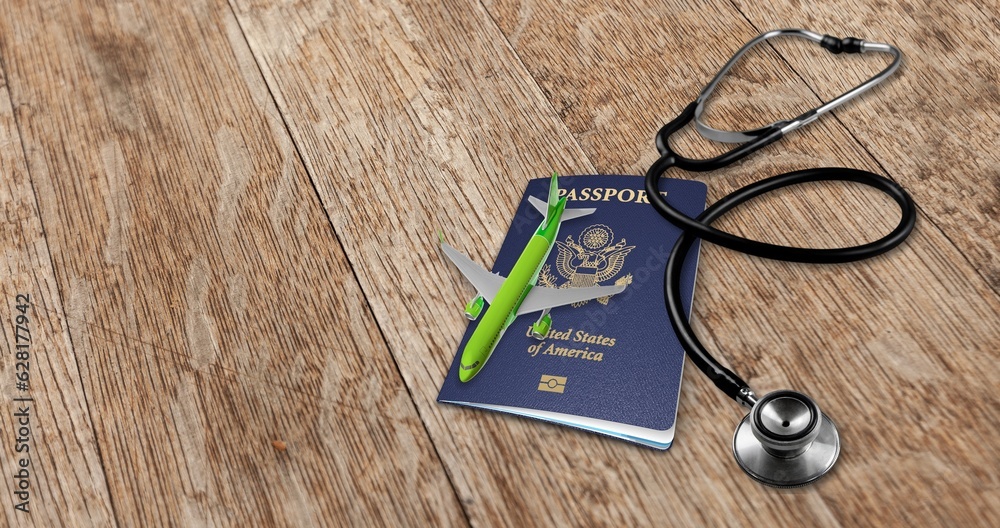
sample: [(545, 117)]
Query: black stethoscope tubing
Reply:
[(693, 228), (785, 440)]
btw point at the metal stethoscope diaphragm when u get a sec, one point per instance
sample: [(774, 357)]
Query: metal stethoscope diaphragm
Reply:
[(785, 440)]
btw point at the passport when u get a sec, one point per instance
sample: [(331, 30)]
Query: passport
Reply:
[(610, 365)]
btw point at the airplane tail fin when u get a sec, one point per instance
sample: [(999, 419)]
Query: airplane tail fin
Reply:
[(550, 208), (553, 198)]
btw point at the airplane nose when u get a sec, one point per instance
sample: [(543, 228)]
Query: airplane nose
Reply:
[(467, 372)]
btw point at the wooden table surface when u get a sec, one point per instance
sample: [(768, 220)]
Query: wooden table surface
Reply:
[(225, 215)]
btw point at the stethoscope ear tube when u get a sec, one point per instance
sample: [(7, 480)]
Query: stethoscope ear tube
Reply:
[(833, 45), (670, 158)]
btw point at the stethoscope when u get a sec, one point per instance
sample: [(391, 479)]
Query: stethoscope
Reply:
[(785, 440)]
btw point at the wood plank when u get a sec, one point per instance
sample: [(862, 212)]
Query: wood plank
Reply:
[(211, 306), (396, 106), (893, 337), (66, 482), (937, 124)]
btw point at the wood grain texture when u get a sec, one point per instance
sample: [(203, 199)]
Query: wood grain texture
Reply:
[(246, 320), (428, 118), (210, 306), (66, 481)]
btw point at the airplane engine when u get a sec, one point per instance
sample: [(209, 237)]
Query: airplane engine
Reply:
[(474, 308), (541, 327)]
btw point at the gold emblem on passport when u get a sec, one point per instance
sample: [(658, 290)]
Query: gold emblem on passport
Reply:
[(594, 259), (552, 383)]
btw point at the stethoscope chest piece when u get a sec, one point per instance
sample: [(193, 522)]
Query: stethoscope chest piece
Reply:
[(785, 441)]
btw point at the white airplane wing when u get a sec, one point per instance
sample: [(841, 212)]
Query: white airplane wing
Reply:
[(486, 283), (538, 204), (568, 214), (542, 298)]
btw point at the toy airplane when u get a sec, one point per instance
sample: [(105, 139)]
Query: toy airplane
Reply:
[(517, 294)]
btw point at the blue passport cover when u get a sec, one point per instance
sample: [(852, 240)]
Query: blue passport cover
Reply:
[(614, 359)]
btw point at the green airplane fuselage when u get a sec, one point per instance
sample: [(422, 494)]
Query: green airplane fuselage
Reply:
[(503, 310)]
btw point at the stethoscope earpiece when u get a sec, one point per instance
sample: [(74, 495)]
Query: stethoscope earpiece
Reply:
[(785, 441)]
